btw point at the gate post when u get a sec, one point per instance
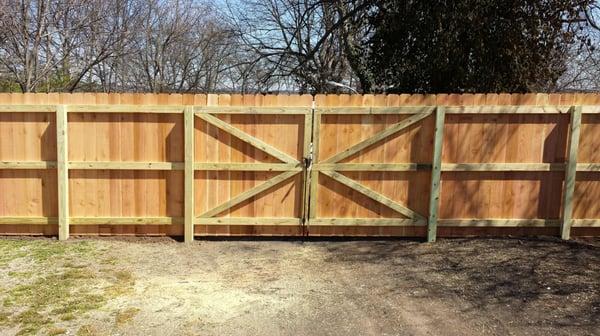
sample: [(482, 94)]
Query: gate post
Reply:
[(62, 168), (436, 170), (570, 172)]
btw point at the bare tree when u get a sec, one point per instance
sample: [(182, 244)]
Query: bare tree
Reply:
[(106, 36), (583, 73), (28, 39), (180, 46), (56, 43), (299, 38)]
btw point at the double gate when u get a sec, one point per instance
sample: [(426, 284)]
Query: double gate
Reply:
[(327, 161)]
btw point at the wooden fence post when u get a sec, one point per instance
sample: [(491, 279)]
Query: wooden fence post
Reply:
[(188, 124), (570, 172), (436, 170), (62, 148)]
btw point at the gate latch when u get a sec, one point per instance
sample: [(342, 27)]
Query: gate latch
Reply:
[(308, 159), (307, 162)]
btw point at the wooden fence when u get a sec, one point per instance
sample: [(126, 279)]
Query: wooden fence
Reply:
[(350, 165)]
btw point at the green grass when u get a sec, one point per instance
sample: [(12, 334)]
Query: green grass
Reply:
[(58, 282), (40, 250)]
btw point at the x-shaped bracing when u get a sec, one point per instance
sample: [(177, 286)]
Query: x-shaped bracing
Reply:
[(354, 149), (257, 143)]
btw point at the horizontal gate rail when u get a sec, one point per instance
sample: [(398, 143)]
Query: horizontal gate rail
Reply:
[(254, 221), (251, 110), (159, 165), (107, 220), (369, 222)]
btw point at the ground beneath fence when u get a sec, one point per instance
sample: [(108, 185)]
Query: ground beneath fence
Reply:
[(397, 287)]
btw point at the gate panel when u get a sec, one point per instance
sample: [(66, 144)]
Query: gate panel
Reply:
[(249, 164), (371, 174)]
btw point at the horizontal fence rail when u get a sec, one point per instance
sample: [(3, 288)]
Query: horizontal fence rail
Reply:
[(323, 165)]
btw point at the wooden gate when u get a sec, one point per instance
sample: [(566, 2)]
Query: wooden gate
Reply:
[(249, 162), (368, 178)]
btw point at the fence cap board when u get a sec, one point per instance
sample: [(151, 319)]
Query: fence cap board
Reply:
[(251, 110), (403, 109)]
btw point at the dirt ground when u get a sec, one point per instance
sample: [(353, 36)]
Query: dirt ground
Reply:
[(363, 287)]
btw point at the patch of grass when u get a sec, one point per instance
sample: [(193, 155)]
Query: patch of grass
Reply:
[(125, 316), (31, 322), (87, 330), (10, 250), (60, 283), (109, 261), (67, 317), (20, 275), (49, 290), (4, 317), (40, 250), (122, 282), (81, 304), (56, 331), (65, 293), (71, 264)]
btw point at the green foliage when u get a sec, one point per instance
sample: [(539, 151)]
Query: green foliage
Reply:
[(472, 45)]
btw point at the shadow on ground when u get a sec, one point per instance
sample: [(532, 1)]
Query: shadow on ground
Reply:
[(538, 282)]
